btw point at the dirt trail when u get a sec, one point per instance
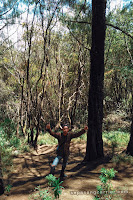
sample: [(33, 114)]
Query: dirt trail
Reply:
[(30, 170)]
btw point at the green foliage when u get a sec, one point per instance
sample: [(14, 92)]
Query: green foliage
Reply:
[(55, 184), (41, 194), (106, 190), (122, 158), (6, 153), (107, 174), (8, 128), (25, 148), (46, 194), (116, 138), (6, 158), (41, 142), (8, 134), (12, 6), (46, 139), (118, 60), (62, 55), (51, 179), (9, 144), (8, 188), (15, 141)]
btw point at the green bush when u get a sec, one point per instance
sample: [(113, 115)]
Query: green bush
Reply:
[(25, 148), (116, 138), (8, 128), (55, 184), (15, 141), (106, 190), (8, 188), (46, 194), (122, 158), (41, 194), (6, 153), (47, 139), (41, 141), (6, 158)]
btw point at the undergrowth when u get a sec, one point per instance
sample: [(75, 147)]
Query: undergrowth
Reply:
[(106, 191), (122, 158), (116, 138), (52, 192)]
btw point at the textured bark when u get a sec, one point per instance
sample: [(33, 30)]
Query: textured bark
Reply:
[(94, 147)]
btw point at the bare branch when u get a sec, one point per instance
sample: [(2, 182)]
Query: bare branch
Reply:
[(116, 27), (78, 40), (45, 39), (107, 24), (11, 73), (9, 9), (3, 26)]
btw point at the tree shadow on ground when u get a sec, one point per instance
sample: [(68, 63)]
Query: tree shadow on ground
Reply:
[(30, 170)]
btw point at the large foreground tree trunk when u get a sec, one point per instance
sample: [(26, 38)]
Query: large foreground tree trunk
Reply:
[(130, 144), (94, 147)]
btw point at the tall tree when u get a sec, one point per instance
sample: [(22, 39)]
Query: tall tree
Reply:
[(94, 147)]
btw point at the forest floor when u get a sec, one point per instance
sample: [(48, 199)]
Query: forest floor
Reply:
[(31, 168)]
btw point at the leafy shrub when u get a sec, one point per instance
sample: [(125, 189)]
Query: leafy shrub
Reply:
[(25, 148), (116, 119), (123, 157), (15, 141), (8, 128), (41, 141), (106, 190), (47, 139), (116, 138), (55, 184), (51, 179), (6, 154), (46, 194), (41, 194), (8, 188)]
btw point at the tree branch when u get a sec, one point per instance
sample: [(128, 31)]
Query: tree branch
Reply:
[(9, 9), (116, 27), (78, 40), (3, 27), (107, 24), (11, 73)]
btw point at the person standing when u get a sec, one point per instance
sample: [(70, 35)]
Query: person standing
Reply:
[(62, 151)]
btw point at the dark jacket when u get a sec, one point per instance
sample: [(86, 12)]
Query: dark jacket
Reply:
[(64, 141)]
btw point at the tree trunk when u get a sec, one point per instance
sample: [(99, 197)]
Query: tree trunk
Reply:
[(21, 112), (73, 112), (94, 147), (61, 94), (32, 135), (130, 144), (37, 131), (1, 179), (17, 131)]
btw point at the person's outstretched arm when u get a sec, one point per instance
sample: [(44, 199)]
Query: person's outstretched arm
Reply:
[(48, 128), (75, 135)]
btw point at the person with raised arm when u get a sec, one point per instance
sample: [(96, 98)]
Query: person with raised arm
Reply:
[(62, 151)]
